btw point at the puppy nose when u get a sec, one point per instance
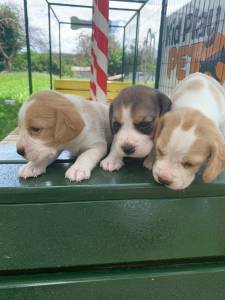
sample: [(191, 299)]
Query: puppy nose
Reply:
[(128, 149), (20, 151), (164, 180)]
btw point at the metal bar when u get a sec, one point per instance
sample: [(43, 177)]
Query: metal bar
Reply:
[(90, 6), (136, 49), (60, 53), (69, 5), (159, 55), (54, 13), (133, 1), (50, 46), (123, 55), (72, 23), (28, 47), (140, 8), (124, 9), (134, 15)]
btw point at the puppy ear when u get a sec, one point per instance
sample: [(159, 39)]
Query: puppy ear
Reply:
[(164, 103), (110, 116), (159, 124), (69, 124), (216, 162)]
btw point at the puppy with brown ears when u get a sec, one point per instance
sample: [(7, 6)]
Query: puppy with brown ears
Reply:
[(191, 134), (133, 115), (50, 122)]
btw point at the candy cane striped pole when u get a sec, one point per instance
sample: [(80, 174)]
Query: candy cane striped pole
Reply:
[(99, 49)]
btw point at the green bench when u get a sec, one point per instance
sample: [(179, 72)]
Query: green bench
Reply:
[(117, 236)]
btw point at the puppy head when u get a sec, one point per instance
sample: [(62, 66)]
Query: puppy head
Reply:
[(133, 114), (184, 140), (46, 121)]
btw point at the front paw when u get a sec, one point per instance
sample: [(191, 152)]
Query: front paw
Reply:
[(111, 164), (78, 173), (30, 170)]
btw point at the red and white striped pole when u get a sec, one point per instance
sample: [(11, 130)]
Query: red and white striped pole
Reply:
[(99, 51)]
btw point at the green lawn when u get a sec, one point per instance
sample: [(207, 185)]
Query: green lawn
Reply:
[(15, 86)]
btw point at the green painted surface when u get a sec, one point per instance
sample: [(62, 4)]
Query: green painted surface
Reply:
[(49, 223), (200, 282)]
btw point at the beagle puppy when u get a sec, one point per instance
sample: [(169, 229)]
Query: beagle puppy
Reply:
[(192, 133), (50, 122), (132, 115)]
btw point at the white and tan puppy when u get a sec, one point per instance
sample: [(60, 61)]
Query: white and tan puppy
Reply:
[(192, 133), (50, 122), (133, 115)]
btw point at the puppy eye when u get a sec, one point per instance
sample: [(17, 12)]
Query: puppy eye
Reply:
[(35, 129), (144, 127), (187, 164), (116, 126)]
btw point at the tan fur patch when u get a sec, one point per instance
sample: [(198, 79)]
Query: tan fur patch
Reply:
[(55, 115), (193, 85), (210, 144), (196, 84)]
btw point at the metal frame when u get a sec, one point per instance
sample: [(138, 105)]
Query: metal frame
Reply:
[(50, 9), (159, 55)]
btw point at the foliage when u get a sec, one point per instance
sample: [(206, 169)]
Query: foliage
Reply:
[(11, 34), (40, 63)]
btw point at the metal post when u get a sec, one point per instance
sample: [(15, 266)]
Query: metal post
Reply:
[(60, 54), (123, 55), (28, 47), (136, 49), (159, 55), (50, 46)]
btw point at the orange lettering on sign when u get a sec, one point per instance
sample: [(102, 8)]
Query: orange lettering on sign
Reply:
[(172, 60), (220, 72), (181, 62), (199, 52)]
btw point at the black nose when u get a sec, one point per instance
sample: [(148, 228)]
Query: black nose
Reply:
[(164, 181), (128, 149), (20, 151)]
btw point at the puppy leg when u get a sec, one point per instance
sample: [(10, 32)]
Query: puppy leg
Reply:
[(149, 160), (113, 162), (85, 163), (34, 169)]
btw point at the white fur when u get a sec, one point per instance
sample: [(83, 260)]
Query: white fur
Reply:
[(90, 146), (126, 135), (169, 167)]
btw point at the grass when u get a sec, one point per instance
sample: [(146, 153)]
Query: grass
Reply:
[(14, 86)]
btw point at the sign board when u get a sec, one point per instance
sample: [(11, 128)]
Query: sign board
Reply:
[(193, 41), (76, 23)]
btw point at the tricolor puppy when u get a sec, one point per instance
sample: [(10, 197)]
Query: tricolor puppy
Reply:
[(132, 116), (50, 123), (192, 133)]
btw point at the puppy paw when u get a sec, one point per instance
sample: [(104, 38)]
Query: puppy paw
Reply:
[(30, 170), (78, 173), (110, 164)]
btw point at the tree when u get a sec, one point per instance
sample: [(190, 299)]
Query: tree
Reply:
[(11, 34), (83, 56)]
